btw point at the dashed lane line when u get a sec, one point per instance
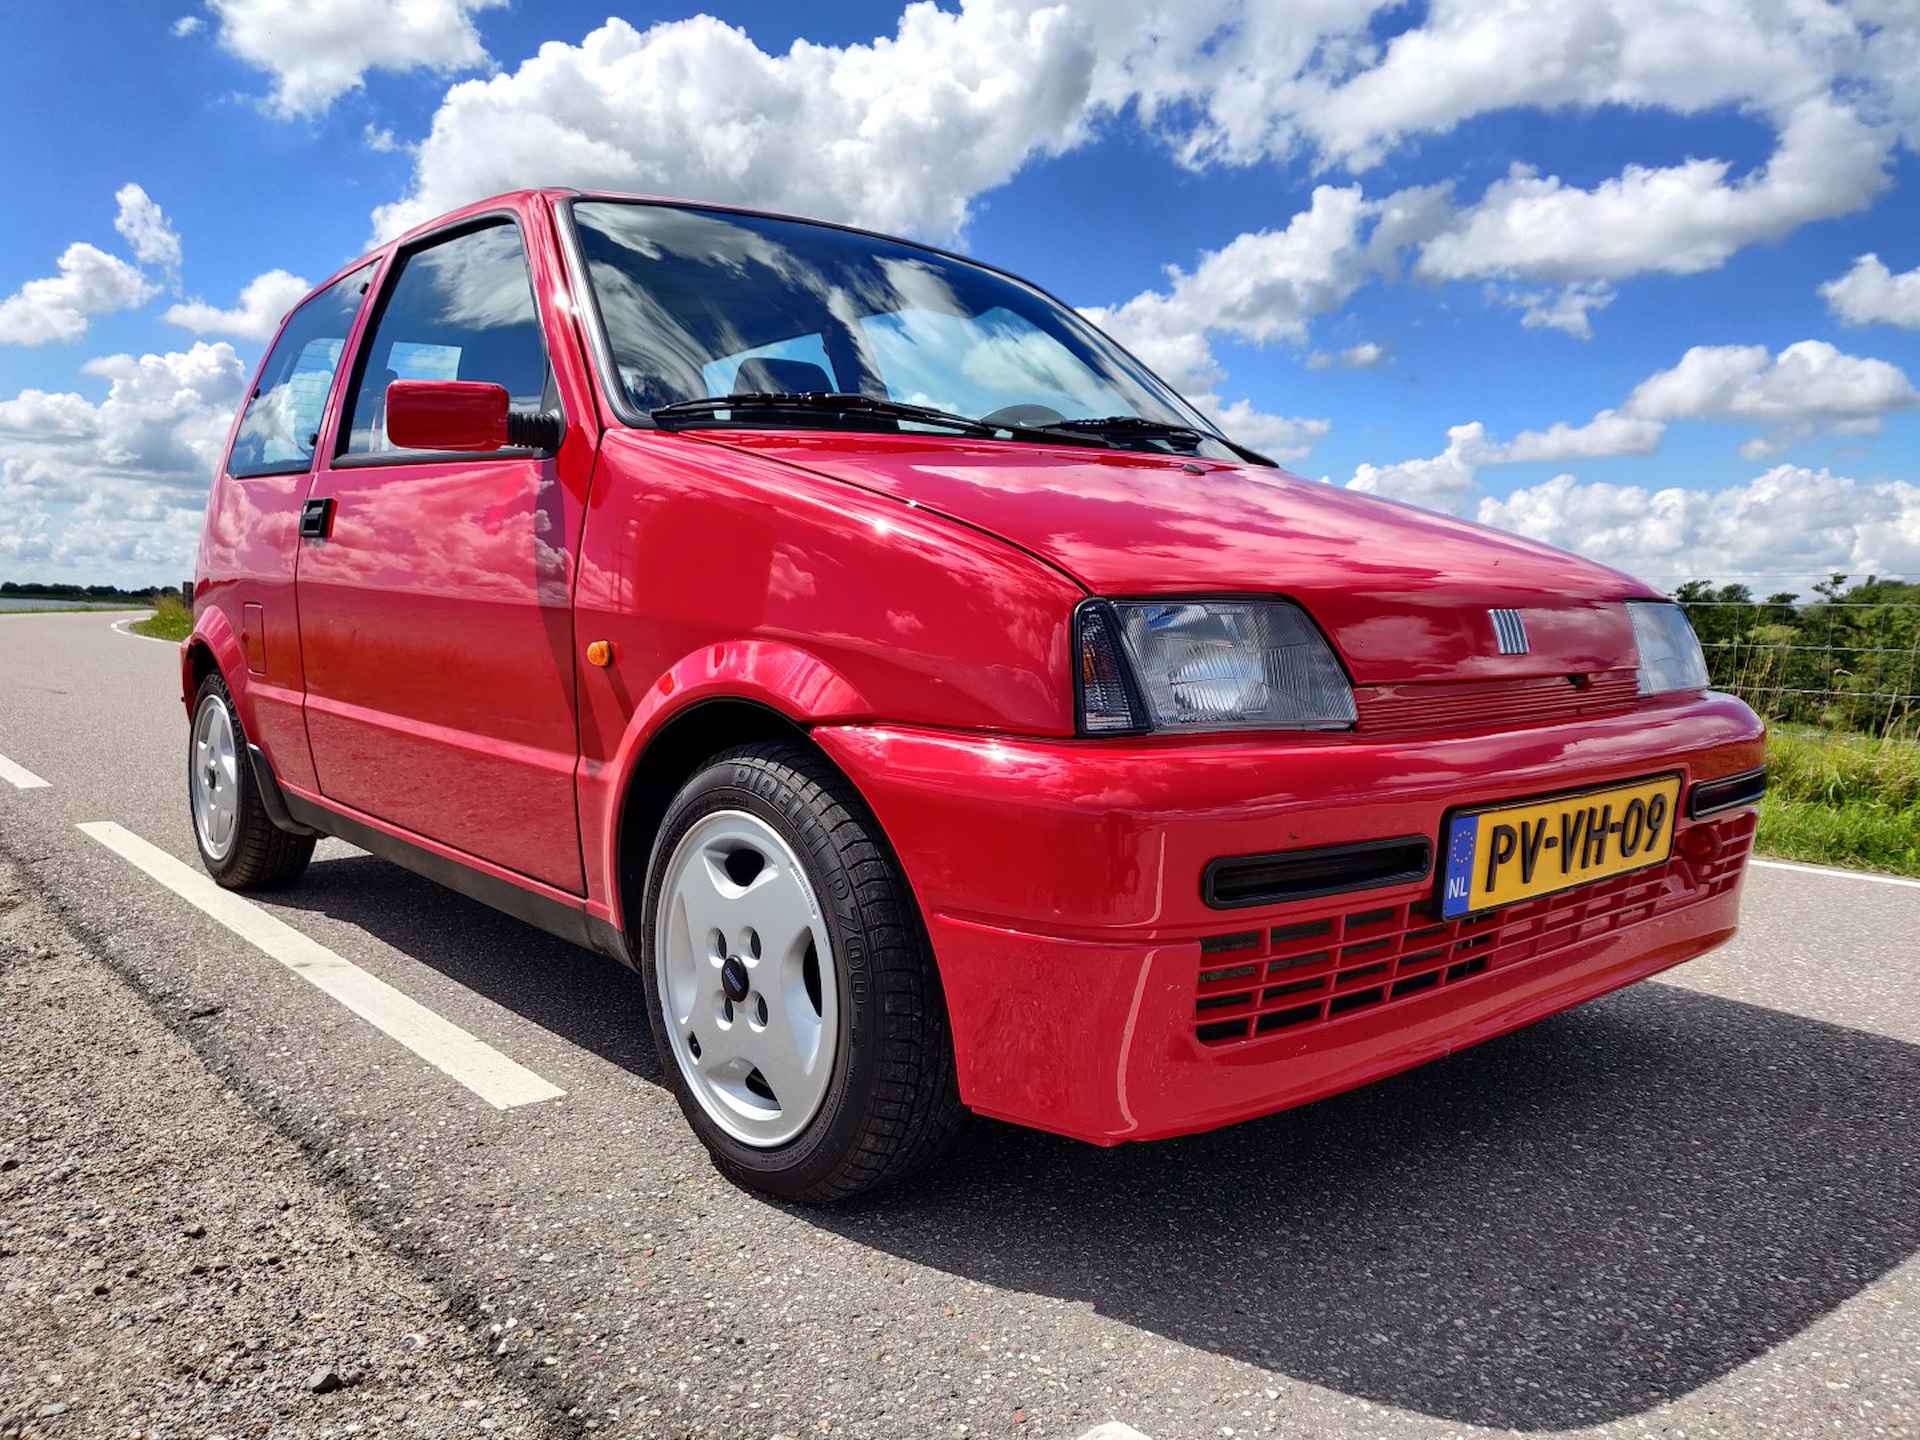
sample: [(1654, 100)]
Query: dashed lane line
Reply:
[(475, 1064), (20, 777)]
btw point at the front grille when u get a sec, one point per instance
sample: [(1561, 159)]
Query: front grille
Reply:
[(1491, 704), (1256, 983)]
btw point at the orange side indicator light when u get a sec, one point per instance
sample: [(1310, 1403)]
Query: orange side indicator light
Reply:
[(600, 653)]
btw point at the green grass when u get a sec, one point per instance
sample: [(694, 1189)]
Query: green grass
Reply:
[(1842, 800), (171, 620)]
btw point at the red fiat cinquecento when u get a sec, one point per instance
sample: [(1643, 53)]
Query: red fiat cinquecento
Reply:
[(937, 711)]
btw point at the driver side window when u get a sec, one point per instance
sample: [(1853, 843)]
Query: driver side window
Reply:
[(460, 309)]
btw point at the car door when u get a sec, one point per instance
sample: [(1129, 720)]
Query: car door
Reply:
[(435, 608), (249, 546)]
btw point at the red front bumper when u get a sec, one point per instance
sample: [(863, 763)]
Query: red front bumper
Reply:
[(1093, 992)]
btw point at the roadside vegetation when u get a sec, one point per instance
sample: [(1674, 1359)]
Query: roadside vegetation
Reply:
[(1851, 800), (171, 620), (1838, 679)]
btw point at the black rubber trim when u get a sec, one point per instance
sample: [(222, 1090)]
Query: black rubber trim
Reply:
[(272, 799), (569, 922), (1713, 797), (1236, 882), (373, 460)]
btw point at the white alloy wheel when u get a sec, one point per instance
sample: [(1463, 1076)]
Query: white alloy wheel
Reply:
[(215, 777), (745, 971)]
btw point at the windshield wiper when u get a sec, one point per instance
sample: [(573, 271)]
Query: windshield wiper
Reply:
[(1116, 427), (818, 402)]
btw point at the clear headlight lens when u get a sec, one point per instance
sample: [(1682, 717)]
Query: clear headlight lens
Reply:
[(1207, 665), (1670, 656)]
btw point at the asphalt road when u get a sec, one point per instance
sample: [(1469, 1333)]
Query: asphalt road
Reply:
[(1691, 1208)]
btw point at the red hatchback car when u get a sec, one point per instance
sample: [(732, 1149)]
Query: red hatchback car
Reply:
[(937, 711)]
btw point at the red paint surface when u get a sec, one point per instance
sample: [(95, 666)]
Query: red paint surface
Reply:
[(447, 415), (909, 599)]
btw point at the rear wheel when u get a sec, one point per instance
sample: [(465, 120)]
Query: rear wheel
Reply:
[(241, 848), (789, 985)]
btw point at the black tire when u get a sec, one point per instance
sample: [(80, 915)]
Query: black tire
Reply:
[(262, 856), (893, 1105)]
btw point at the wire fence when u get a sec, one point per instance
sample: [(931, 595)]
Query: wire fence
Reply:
[(1839, 664)]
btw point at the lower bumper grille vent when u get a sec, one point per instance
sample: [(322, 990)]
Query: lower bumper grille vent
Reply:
[(1313, 972), (1307, 874)]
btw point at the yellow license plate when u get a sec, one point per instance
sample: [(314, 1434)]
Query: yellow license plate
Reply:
[(1517, 852)]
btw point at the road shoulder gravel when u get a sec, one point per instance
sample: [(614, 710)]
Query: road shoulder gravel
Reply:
[(169, 1262)]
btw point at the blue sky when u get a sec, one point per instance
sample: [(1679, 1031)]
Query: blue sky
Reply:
[(1693, 173)]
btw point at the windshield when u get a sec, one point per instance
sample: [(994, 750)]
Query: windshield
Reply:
[(705, 303)]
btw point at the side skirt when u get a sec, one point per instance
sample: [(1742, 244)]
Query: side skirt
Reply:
[(569, 922)]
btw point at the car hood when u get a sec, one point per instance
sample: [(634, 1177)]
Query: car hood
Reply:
[(1404, 592)]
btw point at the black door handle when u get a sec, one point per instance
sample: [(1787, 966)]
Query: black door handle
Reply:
[(316, 519)]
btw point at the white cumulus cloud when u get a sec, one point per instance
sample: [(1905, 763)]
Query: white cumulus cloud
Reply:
[(1808, 386), (1608, 433), (113, 489), (1871, 294), (1367, 355), (1678, 219), (318, 50), (899, 133), (1278, 437), (264, 301), (58, 307), (1267, 285), (1568, 309), (1445, 482), (146, 229), (1788, 522)]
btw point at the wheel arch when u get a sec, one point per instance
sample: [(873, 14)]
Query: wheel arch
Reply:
[(672, 754), (214, 646)]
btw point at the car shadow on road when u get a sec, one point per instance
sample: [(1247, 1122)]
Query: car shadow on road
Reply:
[(1560, 1228), (581, 996)]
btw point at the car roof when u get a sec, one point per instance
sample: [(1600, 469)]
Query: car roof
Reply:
[(515, 199)]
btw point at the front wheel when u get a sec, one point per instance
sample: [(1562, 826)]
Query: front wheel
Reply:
[(239, 845), (789, 985)]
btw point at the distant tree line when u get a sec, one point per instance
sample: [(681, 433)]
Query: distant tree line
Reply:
[(32, 591), (1849, 659)]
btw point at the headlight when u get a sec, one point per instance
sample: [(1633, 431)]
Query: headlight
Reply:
[(1670, 657), (1206, 665)]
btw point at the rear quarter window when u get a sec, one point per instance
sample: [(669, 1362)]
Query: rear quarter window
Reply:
[(281, 423)]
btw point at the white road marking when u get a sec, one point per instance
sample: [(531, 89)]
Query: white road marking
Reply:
[(121, 627), (1839, 874), (19, 776), (474, 1063)]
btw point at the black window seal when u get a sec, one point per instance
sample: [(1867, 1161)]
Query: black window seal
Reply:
[(396, 266)]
